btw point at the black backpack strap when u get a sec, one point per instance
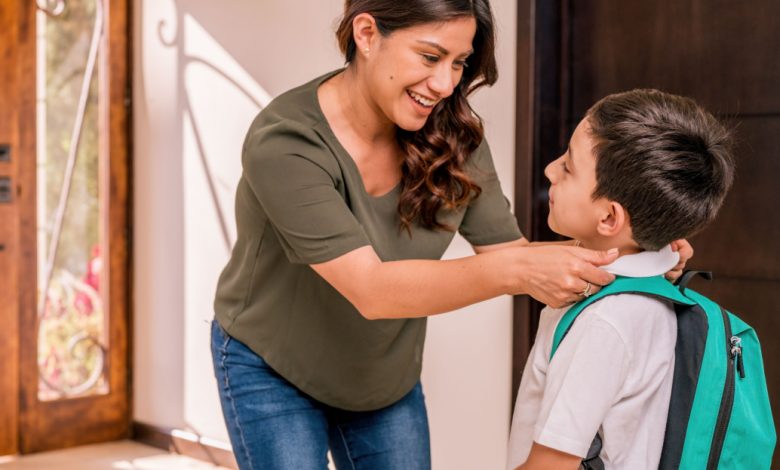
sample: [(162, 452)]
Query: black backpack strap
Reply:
[(682, 281), (592, 461)]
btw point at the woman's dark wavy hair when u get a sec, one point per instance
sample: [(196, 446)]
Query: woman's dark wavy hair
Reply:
[(435, 156)]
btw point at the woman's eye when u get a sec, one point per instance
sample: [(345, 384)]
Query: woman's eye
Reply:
[(565, 168), (460, 64), (431, 58)]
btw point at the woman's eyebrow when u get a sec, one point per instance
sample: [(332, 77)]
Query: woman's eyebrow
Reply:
[(442, 49)]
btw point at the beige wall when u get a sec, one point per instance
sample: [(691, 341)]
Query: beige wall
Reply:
[(202, 70)]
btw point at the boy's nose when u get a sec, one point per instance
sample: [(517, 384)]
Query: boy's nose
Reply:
[(549, 171)]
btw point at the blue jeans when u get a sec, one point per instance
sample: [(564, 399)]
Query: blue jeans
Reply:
[(274, 426)]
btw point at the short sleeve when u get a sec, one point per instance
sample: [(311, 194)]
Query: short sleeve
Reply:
[(295, 178), (488, 219), (583, 380)]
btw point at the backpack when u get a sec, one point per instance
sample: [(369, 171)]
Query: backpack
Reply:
[(719, 414)]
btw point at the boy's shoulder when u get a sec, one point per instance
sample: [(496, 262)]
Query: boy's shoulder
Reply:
[(630, 310), (632, 316), (633, 319), (640, 322)]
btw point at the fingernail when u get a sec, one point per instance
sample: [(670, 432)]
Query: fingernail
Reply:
[(613, 251)]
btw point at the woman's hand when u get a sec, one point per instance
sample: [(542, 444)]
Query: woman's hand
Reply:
[(686, 252), (559, 275)]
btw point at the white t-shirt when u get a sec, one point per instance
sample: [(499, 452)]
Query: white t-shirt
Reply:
[(612, 374)]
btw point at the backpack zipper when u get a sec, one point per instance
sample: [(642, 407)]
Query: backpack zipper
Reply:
[(727, 401), (736, 353)]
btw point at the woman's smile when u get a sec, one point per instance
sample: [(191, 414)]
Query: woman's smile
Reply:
[(422, 105), (421, 99)]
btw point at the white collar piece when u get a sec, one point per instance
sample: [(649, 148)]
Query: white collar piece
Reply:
[(644, 264)]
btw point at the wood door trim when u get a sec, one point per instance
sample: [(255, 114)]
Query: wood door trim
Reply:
[(543, 103), (524, 109)]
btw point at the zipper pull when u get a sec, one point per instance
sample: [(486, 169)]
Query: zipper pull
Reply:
[(736, 353)]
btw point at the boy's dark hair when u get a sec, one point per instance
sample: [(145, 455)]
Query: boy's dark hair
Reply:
[(666, 160)]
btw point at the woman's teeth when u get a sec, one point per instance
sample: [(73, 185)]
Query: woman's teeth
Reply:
[(421, 99)]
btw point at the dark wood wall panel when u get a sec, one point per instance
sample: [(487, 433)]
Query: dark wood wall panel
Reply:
[(693, 47), (743, 240), (723, 53)]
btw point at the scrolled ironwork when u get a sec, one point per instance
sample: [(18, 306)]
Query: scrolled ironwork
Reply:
[(94, 375), (51, 7)]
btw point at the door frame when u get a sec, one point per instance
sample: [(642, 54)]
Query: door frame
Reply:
[(10, 75)]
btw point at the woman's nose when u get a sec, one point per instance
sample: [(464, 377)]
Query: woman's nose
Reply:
[(443, 80)]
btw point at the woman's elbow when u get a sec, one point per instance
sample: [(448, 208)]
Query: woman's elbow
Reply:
[(368, 308)]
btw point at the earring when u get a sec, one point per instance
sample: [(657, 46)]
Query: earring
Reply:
[(366, 50)]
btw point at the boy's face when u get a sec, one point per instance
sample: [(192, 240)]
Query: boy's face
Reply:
[(573, 212)]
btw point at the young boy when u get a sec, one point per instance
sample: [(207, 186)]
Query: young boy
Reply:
[(642, 169)]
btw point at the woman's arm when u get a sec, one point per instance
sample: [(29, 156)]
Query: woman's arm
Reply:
[(681, 246), (415, 288), (520, 242), (546, 458)]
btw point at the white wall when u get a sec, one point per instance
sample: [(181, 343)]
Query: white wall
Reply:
[(202, 70)]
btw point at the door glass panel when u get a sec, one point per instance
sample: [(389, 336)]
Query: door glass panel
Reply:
[(72, 320)]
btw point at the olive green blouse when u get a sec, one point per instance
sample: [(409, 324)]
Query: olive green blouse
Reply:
[(300, 201)]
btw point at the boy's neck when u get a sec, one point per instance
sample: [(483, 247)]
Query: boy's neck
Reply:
[(625, 248)]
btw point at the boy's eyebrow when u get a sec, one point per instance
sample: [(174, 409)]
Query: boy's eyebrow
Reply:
[(442, 49)]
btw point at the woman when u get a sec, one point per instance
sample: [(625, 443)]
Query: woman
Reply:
[(352, 189)]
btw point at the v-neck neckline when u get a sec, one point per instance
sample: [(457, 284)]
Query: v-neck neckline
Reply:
[(325, 126)]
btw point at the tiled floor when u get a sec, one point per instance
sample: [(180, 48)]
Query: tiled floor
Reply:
[(121, 455)]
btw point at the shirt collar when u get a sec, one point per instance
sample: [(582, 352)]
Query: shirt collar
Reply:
[(644, 264)]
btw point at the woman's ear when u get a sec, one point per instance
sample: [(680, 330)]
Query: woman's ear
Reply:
[(364, 31), (613, 220)]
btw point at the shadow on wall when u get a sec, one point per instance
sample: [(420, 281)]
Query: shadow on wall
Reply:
[(197, 88), (211, 84)]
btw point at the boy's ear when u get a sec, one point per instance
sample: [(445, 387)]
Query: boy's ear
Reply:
[(613, 220)]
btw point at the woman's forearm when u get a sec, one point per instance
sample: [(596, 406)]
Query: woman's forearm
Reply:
[(415, 288)]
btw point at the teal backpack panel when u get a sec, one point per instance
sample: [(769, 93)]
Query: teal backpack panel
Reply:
[(709, 390), (744, 448), (726, 422)]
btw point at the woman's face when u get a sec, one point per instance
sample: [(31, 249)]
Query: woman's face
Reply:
[(411, 70)]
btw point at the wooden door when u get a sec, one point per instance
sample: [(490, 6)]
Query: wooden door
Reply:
[(64, 128), (10, 105), (722, 53)]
